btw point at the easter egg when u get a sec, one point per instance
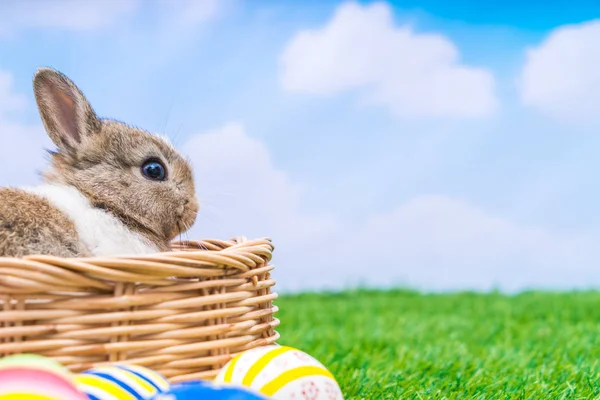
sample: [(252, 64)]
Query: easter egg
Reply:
[(123, 382), (203, 390), (36, 378), (37, 361), (282, 373)]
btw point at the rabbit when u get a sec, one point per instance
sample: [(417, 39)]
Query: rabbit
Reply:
[(111, 189)]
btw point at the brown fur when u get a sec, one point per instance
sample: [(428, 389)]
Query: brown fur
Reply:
[(47, 230), (102, 159)]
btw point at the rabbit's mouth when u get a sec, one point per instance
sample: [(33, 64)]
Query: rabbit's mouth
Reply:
[(186, 216)]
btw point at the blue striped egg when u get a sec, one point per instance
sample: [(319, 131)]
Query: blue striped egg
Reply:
[(123, 382), (204, 390)]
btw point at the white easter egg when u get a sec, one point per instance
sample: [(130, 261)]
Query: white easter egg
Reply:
[(281, 372)]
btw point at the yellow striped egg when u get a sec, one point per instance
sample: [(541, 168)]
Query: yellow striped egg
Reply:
[(122, 382), (282, 373)]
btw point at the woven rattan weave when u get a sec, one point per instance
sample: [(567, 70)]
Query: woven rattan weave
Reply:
[(184, 313)]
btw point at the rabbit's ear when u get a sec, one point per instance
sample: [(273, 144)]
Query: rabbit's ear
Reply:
[(65, 112)]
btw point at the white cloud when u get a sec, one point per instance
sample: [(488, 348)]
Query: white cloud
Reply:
[(9, 101), (72, 15), (430, 242), (180, 22), (22, 150), (440, 242), (561, 76), (190, 12), (176, 27), (76, 15), (243, 193), (22, 153), (413, 74)]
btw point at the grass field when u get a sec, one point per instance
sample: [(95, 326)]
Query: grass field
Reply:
[(403, 345)]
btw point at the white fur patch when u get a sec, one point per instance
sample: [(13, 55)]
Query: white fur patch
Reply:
[(102, 233)]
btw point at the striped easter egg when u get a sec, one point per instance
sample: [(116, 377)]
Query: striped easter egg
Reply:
[(35, 361), (123, 382), (282, 373), (33, 383), (205, 390)]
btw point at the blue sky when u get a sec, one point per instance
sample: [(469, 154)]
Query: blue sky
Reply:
[(440, 145)]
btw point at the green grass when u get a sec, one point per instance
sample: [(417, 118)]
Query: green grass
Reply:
[(403, 345)]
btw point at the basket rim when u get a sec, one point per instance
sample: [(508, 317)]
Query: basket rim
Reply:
[(201, 245), (210, 258)]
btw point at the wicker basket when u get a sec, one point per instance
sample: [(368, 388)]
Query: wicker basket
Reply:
[(183, 313)]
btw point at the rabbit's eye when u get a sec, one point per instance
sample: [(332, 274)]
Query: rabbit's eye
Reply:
[(154, 170)]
